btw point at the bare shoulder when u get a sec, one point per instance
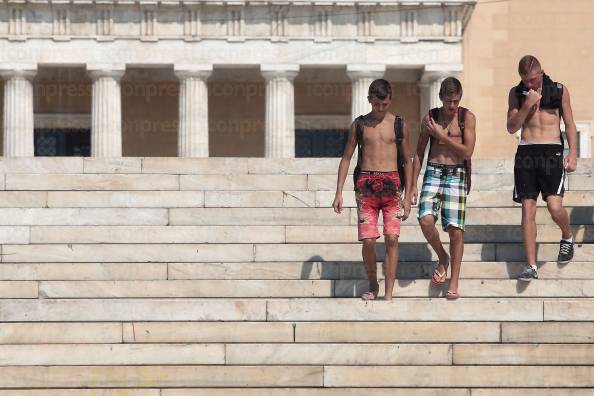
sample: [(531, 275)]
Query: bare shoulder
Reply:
[(469, 116)]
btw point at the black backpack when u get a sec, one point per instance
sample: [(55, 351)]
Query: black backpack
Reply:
[(398, 130), (467, 162)]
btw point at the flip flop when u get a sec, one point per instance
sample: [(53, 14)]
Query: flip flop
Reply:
[(369, 295), (439, 278), (453, 295)]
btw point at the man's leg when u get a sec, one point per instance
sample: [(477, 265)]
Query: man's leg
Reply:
[(391, 264), (529, 237), (370, 261), (559, 215), (432, 236), (529, 229), (456, 253)]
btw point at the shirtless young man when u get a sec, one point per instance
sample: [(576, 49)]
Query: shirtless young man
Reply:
[(377, 185), (536, 106), (445, 182)]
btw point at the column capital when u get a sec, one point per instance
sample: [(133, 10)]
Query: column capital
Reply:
[(202, 71), (113, 70), (358, 71), (434, 72), (11, 70), (285, 70)]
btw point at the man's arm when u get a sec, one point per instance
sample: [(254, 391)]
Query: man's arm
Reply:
[(343, 168), (462, 149), (570, 162), (419, 158), (516, 114), (408, 172)]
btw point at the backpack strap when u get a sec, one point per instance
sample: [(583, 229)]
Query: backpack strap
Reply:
[(461, 120), (359, 136), (467, 162), (434, 113), (399, 131)]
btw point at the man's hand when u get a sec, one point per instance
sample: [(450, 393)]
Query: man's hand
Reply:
[(406, 205), (414, 192), (434, 129), (337, 204), (532, 98), (570, 163)]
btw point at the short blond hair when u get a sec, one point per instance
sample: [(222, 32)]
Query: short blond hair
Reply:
[(527, 64)]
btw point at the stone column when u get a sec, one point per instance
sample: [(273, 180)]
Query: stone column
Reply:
[(18, 110), (192, 135), (106, 113), (430, 83), (280, 110), (362, 76)]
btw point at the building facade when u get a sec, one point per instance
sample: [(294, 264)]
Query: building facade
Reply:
[(214, 78)]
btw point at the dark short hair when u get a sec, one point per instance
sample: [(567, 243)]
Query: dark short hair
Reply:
[(381, 89), (449, 87), (527, 64)]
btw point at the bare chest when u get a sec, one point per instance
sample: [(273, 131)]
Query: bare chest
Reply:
[(378, 135)]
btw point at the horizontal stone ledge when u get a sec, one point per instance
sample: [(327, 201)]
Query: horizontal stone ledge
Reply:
[(60, 333), (470, 288), (22, 199), (156, 234), (112, 165), (476, 199), (524, 354), (186, 289), (427, 309), (83, 271), (338, 354), (256, 199), (82, 216), (111, 354), (208, 332), (352, 252), (81, 392), (101, 182), (548, 332), (14, 235), (320, 392), (42, 165), (110, 310), (125, 253), (354, 270), (243, 182), (459, 376), (195, 166), (569, 310), (257, 216), (160, 376), (410, 232), (397, 332), (124, 199), (18, 289)]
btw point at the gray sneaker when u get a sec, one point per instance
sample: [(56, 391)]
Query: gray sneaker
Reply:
[(528, 274)]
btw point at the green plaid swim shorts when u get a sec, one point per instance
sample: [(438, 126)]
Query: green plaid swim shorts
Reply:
[(444, 191)]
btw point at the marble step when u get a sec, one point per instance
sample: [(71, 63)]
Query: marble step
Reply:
[(78, 253), (264, 234)]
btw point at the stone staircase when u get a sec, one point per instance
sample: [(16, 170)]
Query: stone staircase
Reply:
[(231, 276)]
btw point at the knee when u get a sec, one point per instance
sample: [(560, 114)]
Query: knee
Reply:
[(529, 211), (555, 209), (456, 234), (369, 243), (391, 241), (426, 222)]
